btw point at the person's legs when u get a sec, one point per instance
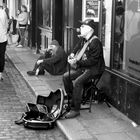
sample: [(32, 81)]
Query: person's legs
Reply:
[(78, 87), (22, 37), (77, 93), (33, 72), (2, 57), (48, 67), (68, 77)]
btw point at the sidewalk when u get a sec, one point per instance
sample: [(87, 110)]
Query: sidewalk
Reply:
[(102, 123)]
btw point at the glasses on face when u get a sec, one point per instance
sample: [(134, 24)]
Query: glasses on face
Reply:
[(85, 28)]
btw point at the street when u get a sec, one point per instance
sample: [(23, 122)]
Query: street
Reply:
[(14, 94)]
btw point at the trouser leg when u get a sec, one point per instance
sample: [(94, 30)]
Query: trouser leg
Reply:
[(68, 82), (22, 37), (36, 65), (48, 67), (78, 87), (2, 55)]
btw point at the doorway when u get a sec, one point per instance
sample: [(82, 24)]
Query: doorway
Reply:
[(57, 21)]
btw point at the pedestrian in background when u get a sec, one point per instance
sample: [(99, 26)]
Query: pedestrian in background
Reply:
[(17, 26), (22, 20), (5, 8), (3, 39)]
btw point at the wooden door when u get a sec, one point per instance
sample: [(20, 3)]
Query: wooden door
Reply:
[(57, 21)]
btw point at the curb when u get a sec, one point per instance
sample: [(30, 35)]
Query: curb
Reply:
[(66, 126)]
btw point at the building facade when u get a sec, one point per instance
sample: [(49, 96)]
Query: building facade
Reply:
[(117, 25)]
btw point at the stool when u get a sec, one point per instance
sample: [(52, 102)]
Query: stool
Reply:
[(89, 91)]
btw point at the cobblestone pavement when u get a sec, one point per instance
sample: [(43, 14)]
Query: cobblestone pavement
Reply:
[(14, 94)]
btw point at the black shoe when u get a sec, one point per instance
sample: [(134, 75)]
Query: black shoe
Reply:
[(20, 121), (72, 114), (31, 73)]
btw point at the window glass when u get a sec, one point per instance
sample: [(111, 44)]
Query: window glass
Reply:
[(103, 23), (127, 38), (105, 28), (45, 13)]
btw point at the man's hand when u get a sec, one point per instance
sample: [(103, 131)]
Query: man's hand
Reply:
[(71, 56), (39, 62)]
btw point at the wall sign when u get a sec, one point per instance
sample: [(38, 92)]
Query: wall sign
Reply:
[(91, 9)]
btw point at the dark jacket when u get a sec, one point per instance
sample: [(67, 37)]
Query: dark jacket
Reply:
[(94, 55), (58, 62)]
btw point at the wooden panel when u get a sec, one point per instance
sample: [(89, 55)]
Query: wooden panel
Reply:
[(123, 95), (133, 102), (46, 38), (57, 21)]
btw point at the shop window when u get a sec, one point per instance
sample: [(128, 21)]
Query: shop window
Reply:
[(126, 52), (105, 28), (103, 24), (45, 13)]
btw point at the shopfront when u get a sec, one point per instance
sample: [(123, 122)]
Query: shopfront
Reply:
[(122, 76), (48, 22), (118, 26)]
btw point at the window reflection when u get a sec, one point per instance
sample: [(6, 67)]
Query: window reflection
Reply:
[(44, 10), (132, 39), (103, 22), (127, 38), (46, 7), (118, 35)]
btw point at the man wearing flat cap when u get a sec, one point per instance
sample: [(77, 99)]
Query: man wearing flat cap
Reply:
[(54, 61), (86, 61)]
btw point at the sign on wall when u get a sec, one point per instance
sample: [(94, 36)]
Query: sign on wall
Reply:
[(91, 9)]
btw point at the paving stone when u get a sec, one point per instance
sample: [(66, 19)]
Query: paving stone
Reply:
[(14, 94), (74, 130), (115, 136), (102, 124)]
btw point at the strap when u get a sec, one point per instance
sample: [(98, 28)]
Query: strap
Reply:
[(80, 54)]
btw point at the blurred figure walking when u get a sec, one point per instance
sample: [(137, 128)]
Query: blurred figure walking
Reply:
[(5, 8), (3, 39), (22, 20)]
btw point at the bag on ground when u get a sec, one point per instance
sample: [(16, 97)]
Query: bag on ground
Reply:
[(45, 112), (13, 38)]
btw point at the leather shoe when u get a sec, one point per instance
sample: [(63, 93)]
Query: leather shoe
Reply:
[(31, 73), (72, 114), (19, 121)]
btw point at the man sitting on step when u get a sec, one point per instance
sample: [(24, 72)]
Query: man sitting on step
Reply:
[(54, 61)]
